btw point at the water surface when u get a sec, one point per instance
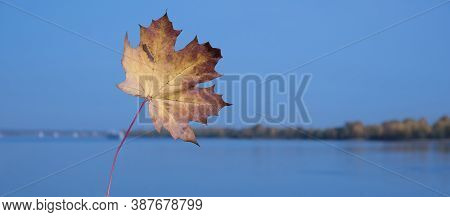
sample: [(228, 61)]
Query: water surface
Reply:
[(223, 167)]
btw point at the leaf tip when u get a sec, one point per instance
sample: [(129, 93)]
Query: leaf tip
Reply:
[(126, 41)]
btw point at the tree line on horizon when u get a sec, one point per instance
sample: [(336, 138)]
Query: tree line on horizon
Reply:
[(388, 130)]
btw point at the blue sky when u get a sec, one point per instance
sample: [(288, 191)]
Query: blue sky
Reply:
[(54, 79)]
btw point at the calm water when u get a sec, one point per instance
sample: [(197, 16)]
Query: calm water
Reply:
[(223, 167)]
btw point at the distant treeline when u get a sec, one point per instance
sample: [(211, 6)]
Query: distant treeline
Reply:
[(389, 130)]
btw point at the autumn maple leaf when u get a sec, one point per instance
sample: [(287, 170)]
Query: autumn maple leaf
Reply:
[(168, 79)]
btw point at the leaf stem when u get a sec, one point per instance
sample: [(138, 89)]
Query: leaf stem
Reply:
[(120, 146)]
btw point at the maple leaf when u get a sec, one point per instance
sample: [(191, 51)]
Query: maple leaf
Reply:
[(168, 79)]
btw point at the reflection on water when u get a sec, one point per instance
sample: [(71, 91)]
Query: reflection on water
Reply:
[(401, 146), (225, 167)]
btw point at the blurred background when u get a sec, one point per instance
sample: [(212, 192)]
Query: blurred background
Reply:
[(371, 62)]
